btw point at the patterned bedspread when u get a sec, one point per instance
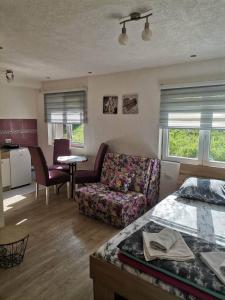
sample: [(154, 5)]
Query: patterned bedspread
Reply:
[(195, 218)]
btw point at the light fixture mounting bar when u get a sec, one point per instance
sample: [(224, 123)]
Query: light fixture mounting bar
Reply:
[(135, 16)]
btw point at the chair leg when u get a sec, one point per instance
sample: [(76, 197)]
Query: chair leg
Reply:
[(36, 190), (68, 189), (55, 189), (47, 194)]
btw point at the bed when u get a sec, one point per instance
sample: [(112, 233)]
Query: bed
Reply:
[(113, 279)]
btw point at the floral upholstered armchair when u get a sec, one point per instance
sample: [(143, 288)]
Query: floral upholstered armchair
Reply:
[(120, 206)]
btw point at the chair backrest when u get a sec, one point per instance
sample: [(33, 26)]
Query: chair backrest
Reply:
[(40, 165), (61, 148), (100, 158), (137, 166)]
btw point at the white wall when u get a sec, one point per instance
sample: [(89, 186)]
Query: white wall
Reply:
[(58, 85), (136, 134), (16, 102)]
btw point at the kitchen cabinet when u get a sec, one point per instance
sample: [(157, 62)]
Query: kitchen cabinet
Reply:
[(16, 167), (5, 168), (20, 167)]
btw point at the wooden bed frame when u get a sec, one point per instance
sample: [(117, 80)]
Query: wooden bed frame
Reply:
[(113, 283)]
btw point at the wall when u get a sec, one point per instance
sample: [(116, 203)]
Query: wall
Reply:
[(18, 102), (58, 85), (137, 134)]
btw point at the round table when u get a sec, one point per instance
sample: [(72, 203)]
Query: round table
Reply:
[(13, 242), (72, 161)]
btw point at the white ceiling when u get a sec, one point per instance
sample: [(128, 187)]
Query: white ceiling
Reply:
[(68, 38)]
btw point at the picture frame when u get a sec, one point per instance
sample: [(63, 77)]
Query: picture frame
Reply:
[(130, 104), (110, 105)]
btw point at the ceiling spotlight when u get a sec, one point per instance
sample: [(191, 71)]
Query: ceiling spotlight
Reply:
[(123, 38), (9, 75), (135, 16), (146, 33)]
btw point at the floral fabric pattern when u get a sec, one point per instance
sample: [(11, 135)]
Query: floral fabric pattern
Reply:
[(191, 272), (192, 217), (139, 166), (117, 208), (203, 189), (121, 182), (152, 193)]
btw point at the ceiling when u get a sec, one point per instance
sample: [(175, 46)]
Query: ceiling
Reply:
[(69, 38)]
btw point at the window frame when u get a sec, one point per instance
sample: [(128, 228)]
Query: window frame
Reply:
[(165, 150), (69, 135), (53, 135), (203, 147)]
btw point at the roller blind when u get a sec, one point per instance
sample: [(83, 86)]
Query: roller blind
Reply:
[(66, 107), (193, 107)]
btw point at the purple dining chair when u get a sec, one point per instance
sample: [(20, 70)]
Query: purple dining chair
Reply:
[(86, 176), (44, 176), (61, 148)]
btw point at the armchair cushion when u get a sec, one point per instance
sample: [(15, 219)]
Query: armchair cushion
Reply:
[(119, 209), (121, 182), (137, 165), (113, 206)]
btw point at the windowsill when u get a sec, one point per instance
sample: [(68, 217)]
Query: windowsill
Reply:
[(80, 146), (216, 164), (183, 160)]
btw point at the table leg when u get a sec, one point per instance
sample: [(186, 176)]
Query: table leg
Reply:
[(71, 181), (74, 167)]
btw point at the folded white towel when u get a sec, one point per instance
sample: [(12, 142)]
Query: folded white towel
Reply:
[(179, 251), (165, 239), (215, 261)]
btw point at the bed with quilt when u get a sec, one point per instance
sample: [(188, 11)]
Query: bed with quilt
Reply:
[(197, 211)]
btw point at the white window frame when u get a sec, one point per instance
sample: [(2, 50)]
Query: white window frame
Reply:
[(203, 153), (204, 135), (54, 134)]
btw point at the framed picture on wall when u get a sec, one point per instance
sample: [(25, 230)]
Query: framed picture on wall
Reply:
[(130, 104), (110, 104)]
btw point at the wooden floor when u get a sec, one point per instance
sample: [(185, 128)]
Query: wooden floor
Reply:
[(56, 263)]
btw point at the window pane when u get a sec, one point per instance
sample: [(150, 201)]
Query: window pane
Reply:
[(183, 142), (65, 135), (217, 145), (78, 133)]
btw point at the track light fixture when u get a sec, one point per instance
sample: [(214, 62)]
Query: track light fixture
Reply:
[(135, 16), (123, 37), (146, 33), (8, 74)]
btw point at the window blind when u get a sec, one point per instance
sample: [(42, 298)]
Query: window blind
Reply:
[(193, 107), (66, 107)]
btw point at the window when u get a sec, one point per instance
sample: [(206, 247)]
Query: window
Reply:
[(66, 114), (73, 132), (217, 145), (183, 143), (192, 121)]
